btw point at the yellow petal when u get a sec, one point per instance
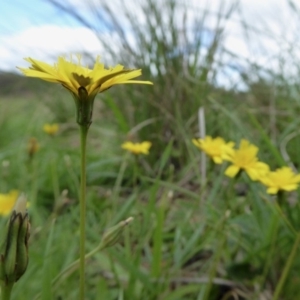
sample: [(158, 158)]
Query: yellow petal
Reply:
[(290, 187), (217, 160), (73, 75), (231, 171), (272, 190)]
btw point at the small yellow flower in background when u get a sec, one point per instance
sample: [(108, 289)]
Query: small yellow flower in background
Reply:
[(72, 75), (51, 129), (137, 148), (32, 147), (7, 202), (282, 179), (216, 148), (245, 158)]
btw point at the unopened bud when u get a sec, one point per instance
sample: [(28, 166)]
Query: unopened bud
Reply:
[(11, 247), (112, 235), (14, 260), (22, 250), (32, 147)]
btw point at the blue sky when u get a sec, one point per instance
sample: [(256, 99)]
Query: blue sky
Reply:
[(37, 29), (16, 15)]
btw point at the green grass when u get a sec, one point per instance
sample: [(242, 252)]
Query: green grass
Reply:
[(187, 241)]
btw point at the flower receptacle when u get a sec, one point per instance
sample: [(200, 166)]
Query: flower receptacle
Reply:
[(112, 235), (84, 107)]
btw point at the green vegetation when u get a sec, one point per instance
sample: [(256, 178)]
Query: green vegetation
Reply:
[(195, 235)]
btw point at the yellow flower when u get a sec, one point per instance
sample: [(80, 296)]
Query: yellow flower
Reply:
[(245, 158), (216, 148), (74, 76), (283, 179), (83, 83), (7, 202), (137, 148), (50, 129)]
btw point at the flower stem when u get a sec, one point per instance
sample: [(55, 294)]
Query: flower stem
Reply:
[(6, 289), (274, 230), (286, 268), (83, 137), (216, 260)]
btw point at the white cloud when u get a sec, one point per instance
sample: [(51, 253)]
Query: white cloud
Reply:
[(46, 42)]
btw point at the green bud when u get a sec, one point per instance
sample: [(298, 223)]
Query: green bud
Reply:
[(22, 250), (10, 255), (14, 260), (112, 235)]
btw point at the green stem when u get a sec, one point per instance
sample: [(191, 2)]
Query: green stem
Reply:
[(274, 231), (158, 241), (213, 271), (83, 137), (135, 171), (6, 289), (55, 182), (220, 229), (117, 186), (286, 268), (231, 193), (273, 238)]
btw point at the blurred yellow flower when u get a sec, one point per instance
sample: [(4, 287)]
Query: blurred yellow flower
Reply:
[(50, 129), (137, 148), (72, 75), (216, 148), (245, 158), (7, 202), (282, 179)]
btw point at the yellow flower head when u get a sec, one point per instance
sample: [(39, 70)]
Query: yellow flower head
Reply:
[(50, 129), (137, 148), (7, 202), (83, 83), (72, 75), (283, 179), (245, 158), (216, 148)]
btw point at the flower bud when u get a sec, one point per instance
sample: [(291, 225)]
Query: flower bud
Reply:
[(32, 147), (112, 235), (22, 250), (14, 260)]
